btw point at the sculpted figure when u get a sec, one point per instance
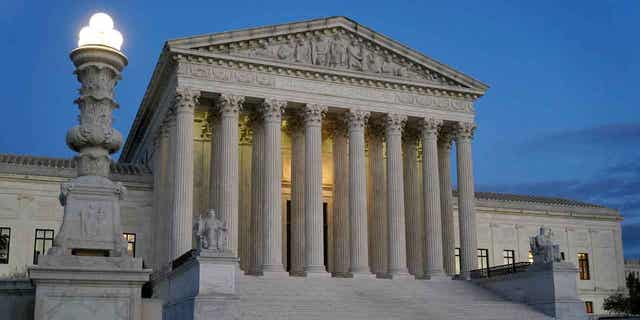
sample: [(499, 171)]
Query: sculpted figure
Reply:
[(543, 248), (338, 53), (262, 51), (320, 51), (373, 63), (388, 67), (355, 55), (285, 51), (211, 232), (303, 51)]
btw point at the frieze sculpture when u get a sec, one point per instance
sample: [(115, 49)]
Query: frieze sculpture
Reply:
[(336, 49), (543, 248), (211, 232)]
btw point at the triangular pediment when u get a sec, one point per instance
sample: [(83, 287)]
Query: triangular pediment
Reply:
[(331, 44)]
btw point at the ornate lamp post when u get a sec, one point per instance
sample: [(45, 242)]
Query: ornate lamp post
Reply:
[(88, 261), (91, 222)]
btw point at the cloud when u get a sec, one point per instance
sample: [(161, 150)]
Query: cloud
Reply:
[(616, 186), (618, 134)]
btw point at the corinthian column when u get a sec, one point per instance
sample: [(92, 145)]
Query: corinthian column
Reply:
[(229, 108), (314, 244), (446, 201), (341, 181), (413, 203), (272, 110), (356, 120), (296, 130), (182, 159), (257, 192), (395, 194), (378, 198), (431, 198), (466, 198), (160, 161)]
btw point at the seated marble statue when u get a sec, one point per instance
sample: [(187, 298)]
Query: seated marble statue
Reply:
[(543, 248), (211, 232)]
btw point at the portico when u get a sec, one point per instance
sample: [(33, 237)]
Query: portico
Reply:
[(306, 80)]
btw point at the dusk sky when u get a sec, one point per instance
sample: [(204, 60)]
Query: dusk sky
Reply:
[(560, 118)]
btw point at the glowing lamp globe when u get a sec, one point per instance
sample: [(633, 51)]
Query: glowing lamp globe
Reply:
[(100, 31)]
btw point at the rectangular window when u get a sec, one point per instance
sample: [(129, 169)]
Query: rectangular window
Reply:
[(530, 257), (583, 266), (457, 260), (562, 255), (44, 241), (509, 256), (5, 241), (589, 306), (483, 258), (131, 243)]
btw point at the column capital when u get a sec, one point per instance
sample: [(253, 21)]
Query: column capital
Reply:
[(272, 109), (430, 126), (465, 130), (375, 127), (356, 119), (295, 122), (229, 104), (394, 123), (411, 134), (186, 99), (313, 114), (445, 137)]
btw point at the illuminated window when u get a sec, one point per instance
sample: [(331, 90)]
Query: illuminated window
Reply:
[(131, 243), (483, 258), (562, 255), (509, 256), (583, 266), (457, 260), (589, 306), (44, 241), (5, 240), (530, 257)]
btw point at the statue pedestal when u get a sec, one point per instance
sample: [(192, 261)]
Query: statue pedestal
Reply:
[(96, 288), (202, 285)]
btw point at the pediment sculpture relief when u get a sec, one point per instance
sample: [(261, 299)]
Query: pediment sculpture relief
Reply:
[(336, 49)]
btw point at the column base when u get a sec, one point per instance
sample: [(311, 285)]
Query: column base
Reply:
[(401, 275), (363, 275), (437, 277), (316, 272), (274, 271)]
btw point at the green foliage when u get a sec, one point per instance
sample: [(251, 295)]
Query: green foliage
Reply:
[(625, 304)]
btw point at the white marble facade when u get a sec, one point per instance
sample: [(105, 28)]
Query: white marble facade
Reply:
[(299, 112)]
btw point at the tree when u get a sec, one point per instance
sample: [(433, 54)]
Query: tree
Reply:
[(625, 304)]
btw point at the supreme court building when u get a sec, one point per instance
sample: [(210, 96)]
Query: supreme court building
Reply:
[(326, 147)]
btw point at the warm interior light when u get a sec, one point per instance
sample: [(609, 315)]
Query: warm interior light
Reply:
[(100, 31)]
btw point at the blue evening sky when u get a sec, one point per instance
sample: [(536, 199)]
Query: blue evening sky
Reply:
[(560, 118)]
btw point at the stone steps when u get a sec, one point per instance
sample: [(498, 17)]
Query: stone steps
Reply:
[(373, 299)]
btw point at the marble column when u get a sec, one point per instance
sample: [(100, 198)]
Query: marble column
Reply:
[(257, 192), (395, 197), (160, 161), (244, 205), (446, 201), (378, 197), (272, 110), (431, 197), (214, 165), (413, 203), (341, 180), (296, 130), (314, 244), (356, 120), (182, 160), (229, 108), (466, 200), (169, 187)]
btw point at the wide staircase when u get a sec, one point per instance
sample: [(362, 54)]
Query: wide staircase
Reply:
[(373, 299)]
